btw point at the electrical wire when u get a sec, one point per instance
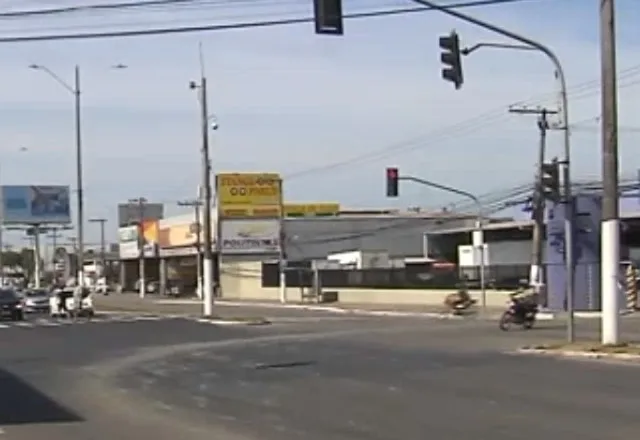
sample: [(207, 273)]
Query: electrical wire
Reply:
[(238, 25), (142, 4), (460, 129)]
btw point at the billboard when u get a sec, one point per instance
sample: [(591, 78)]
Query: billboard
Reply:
[(248, 195), (178, 235), (256, 236), (311, 209), (129, 213), (35, 204)]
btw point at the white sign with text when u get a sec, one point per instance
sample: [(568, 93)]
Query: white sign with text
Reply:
[(255, 236)]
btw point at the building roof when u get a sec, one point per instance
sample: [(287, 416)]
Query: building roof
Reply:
[(515, 224)]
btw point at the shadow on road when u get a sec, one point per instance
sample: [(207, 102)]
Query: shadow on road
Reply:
[(21, 403)]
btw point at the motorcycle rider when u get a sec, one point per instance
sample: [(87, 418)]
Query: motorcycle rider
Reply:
[(524, 301)]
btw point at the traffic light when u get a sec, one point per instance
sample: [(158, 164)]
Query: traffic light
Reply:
[(392, 182), (450, 57), (551, 180), (328, 17)]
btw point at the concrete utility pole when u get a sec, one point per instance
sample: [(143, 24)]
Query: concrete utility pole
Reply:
[(207, 261), (282, 255), (536, 278), (103, 250), (141, 201), (196, 204), (610, 245)]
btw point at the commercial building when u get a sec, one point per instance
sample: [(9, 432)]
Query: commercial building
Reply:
[(171, 244)]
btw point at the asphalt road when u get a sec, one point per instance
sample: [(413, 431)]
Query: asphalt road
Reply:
[(355, 378)]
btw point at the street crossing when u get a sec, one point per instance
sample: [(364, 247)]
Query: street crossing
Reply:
[(46, 321)]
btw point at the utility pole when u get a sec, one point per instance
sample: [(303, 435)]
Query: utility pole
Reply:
[(536, 278), (103, 250), (196, 204), (141, 201), (282, 255), (207, 261), (610, 233)]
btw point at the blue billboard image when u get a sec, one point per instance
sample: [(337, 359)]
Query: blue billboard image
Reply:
[(35, 204)]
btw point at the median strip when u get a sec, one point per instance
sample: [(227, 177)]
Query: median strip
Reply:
[(588, 350)]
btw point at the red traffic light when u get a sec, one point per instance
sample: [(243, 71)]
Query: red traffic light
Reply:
[(392, 182)]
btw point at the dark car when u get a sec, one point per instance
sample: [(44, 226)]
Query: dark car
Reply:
[(11, 305)]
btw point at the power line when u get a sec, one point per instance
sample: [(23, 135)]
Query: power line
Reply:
[(237, 26), (458, 129)]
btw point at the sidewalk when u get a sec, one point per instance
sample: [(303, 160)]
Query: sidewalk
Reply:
[(188, 306), (131, 302)]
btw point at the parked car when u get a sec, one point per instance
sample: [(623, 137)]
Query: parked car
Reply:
[(36, 300), (11, 305)]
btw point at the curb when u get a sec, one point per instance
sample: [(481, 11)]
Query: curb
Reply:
[(342, 310), (226, 322), (542, 316), (580, 354)]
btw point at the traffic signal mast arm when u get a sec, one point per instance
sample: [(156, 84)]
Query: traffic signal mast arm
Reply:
[(444, 188)]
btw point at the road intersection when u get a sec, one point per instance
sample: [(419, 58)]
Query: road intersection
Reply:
[(306, 376)]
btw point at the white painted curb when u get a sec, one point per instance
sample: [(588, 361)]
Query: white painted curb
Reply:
[(341, 310), (581, 354), (225, 322)]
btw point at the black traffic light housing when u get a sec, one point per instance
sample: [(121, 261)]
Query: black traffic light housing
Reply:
[(550, 181), (450, 57), (328, 17), (392, 182)]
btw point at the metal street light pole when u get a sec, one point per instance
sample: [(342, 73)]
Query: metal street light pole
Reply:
[(75, 91), (207, 260), (103, 250), (479, 225), (568, 224), (141, 201)]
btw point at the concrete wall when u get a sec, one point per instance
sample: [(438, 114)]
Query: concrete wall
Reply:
[(243, 281)]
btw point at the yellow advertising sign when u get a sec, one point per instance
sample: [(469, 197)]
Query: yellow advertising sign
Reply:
[(311, 209), (242, 195)]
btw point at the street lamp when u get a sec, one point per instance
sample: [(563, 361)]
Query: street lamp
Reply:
[(207, 257), (75, 91)]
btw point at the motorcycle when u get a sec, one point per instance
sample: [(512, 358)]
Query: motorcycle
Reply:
[(62, 304), (458, 302), (521, 311)]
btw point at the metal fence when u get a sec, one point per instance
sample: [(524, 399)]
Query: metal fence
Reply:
[(410, 277)]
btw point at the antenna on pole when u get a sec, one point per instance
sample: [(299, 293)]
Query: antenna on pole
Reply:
[(201, 56)]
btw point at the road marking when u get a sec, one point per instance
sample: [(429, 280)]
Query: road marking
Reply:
[(23, 324)]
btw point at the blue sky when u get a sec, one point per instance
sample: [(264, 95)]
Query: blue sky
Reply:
[(290, 101)]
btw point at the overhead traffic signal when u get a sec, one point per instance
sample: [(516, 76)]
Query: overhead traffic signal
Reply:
[(328, 17), (450, 57), (392, 182), (551, 180)]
